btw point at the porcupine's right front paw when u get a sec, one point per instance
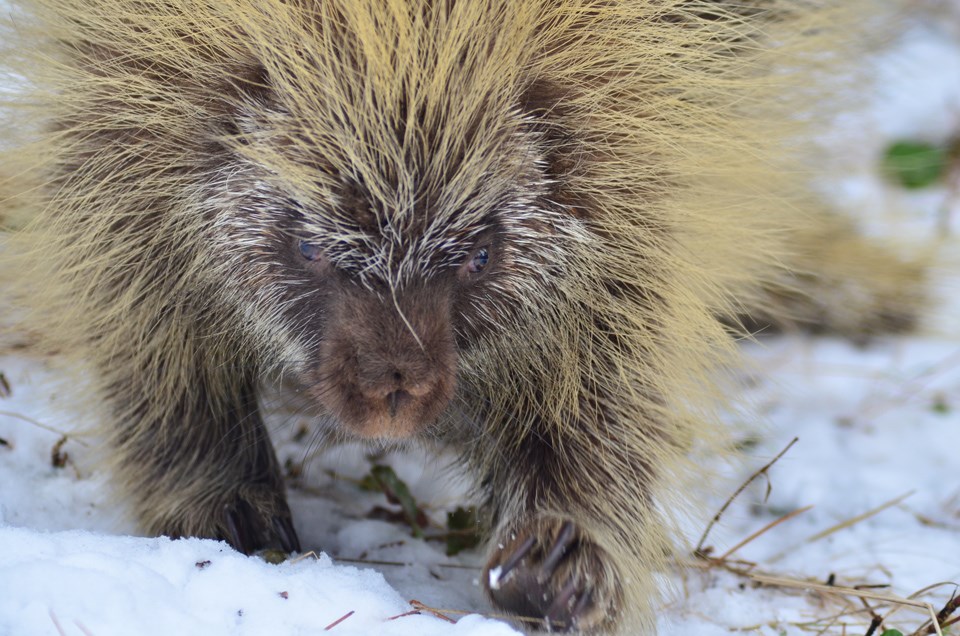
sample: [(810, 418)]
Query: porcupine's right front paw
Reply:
[(250, 517), (258, 517), (549, 569)]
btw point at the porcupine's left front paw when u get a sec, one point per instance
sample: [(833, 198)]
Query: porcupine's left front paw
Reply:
[(548, 568)]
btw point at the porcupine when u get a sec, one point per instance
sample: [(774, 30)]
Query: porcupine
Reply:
[(508, 225)]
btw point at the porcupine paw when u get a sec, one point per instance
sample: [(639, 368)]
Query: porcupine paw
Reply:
[(258, 517), (548, 569)]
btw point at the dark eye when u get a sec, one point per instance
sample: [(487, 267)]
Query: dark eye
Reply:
[(478, 262), (310, 251)]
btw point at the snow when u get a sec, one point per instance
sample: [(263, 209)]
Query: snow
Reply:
[(88, 583), (874, 423)]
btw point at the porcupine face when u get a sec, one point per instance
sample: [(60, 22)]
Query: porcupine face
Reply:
[(366, 266)]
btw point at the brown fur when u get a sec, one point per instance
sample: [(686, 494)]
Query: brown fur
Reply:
[(507, 225)]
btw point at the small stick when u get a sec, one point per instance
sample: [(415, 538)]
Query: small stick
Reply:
[(952, 606), (941, 618), (763, 471), (836, 617), (305, 555), (834, 589), (420, 606), (505, 617), (56, 624), (410, 613), (83, 628), (772, 524), (402, 564), (840, 526), (875, 619), (338, 621), (875, 622), (923, 591), (855, 520), (838, 589), (38, 424)]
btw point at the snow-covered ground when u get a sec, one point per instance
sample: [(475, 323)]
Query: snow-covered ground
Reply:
[(877, 425)]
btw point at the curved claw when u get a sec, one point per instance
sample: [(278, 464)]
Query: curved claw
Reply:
[(238, 530), (564, 538), (510, 564), (247, 530), (583, 602), (559, 611), (283, 527)]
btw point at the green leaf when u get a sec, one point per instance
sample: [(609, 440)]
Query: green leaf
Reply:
[(463, 530), (397, 492), (892, 632), (275, 557), (370, 483), (914, 164)]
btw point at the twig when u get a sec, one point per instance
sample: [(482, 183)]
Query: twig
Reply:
[(855, 520), (921, 592), (840, 526), (56, 624), (836, 617), (420, 606), (403, 564), (949, 608), (304, 556), (833, 589), (504, 617), (875, 622), (769, 526), (338, 621), (763, 471), (83, 628), (410, 613), (38, 424), (875, 619)]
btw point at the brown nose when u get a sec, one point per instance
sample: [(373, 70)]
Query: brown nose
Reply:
[(388, 371), (398, 389), (394, 396)]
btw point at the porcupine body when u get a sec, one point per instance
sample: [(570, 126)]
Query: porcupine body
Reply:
[(507, 225)]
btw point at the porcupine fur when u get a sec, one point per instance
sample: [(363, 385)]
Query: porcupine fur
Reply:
[(508, 226)]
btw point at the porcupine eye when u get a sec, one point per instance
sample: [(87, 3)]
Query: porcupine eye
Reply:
[(310, 251), (479, 260)]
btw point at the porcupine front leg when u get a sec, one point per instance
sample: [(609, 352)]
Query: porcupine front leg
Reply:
[(574, 536), (549, 568), (200, 463)]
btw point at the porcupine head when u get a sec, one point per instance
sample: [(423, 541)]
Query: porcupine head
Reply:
[(467, 221)]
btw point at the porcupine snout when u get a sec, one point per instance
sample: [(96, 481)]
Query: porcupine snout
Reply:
[(388, 362)]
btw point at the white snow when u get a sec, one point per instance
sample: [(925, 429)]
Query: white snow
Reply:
[(874, 424), (494, 578), (85, 583)]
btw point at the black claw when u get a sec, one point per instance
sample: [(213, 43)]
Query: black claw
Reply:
[(289, 541), (516, 557), (237, 533), (583, 602), (564, 539), (559, 611)]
